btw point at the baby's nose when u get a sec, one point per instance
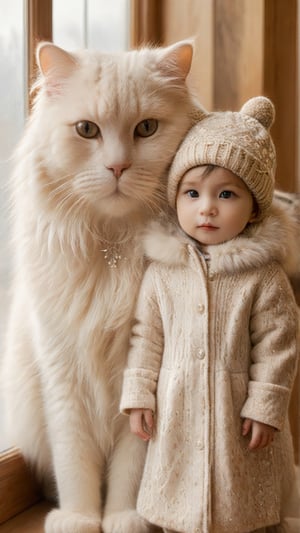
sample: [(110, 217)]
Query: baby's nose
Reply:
[(207, 207)]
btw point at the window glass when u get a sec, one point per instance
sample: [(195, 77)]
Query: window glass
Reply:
[(12, 111), (68, 23), (99, 24), (108, 24)]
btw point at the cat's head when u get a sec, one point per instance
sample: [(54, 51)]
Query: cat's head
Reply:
[(106, 126)]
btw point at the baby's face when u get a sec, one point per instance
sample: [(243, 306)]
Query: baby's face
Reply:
[(213, 207)]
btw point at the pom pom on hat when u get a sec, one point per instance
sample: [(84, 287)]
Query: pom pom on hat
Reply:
[(260, 108), (238, 141)]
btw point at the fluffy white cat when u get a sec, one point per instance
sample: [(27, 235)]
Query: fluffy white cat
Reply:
[(89, 174)]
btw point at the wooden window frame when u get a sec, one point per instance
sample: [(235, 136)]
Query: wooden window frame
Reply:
[(18, 488), (145, 22), (38, 27)]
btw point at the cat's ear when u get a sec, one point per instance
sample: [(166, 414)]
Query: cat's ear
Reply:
[(176, 60), (53, 60), (54, 63)]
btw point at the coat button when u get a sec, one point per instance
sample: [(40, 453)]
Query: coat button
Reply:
[(200, 354), (211, 274), (201, 308)]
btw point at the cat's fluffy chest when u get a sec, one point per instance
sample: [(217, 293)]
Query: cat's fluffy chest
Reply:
[(73, 289)]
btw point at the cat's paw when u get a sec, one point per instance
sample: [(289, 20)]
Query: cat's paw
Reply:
[(59, 521), (125, 522)]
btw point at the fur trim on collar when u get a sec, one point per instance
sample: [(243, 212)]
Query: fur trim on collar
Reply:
[(165, 244), (273, 239)]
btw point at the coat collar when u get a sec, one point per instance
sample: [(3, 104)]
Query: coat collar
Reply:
[(273, 239)]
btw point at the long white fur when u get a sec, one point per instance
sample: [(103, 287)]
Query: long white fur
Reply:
[(70, 318)]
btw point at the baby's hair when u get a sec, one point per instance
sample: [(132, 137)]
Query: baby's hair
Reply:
[(208, 169)]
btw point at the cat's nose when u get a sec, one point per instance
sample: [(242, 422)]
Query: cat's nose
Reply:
[(118, 168)]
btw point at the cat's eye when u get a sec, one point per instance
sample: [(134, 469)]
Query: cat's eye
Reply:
[(146, 128), (87, 129)]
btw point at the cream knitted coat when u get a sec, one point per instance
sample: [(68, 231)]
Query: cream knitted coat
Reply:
[(214, 341)]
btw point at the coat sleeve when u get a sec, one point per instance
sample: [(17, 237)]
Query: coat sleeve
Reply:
[(274, 330), (144, 358)]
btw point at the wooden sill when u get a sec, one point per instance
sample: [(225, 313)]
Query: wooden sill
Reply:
[(30, 521), (18, 488)]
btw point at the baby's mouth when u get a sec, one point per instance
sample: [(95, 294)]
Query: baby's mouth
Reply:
[(207, 226)]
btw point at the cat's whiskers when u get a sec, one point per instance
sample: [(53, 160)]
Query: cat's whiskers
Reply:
[(53, 182), (55, 192), (88, 172), (91, 182), (88, 175), (142, 195), (63, 201), (149, 198), (75, 206)]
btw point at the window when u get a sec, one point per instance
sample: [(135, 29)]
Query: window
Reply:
[(91, 24), (12, 110), (75, 23)]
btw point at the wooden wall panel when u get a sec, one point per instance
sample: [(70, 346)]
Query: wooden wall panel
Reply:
[(187, 19), (280, 83), (146, 22), (238, 58)]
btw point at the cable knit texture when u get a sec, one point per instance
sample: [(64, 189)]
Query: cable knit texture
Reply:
[(215, 341), (239, 141)]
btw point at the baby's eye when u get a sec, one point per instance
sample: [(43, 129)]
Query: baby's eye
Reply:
[(192, 193), (226, 194), (146, 128), (87, 129)]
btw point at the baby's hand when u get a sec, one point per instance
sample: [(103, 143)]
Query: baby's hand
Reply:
[(141, 423), (261, 434)]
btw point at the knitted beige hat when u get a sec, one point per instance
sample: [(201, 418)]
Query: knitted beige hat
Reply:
[(238, 141)]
